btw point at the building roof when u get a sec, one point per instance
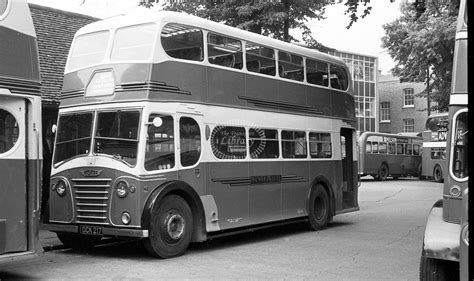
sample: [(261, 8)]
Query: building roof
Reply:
[(55, 30)]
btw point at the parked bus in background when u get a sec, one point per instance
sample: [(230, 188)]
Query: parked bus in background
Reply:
[(433, 163), (383, 155), (20, 133), (176, 129), (446, 240)]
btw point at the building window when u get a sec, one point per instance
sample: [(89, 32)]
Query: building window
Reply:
[(408, 97), (408, 125), (385, 111)]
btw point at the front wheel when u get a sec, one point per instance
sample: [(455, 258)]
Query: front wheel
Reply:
[(318, 212), (171, 228), (77, 241), (438, 174), (438, 270)]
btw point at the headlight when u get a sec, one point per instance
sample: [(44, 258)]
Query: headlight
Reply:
[(122, 189), (61, 188), (455, 191)]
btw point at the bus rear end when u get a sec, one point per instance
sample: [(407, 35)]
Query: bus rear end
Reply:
[(20, 133)]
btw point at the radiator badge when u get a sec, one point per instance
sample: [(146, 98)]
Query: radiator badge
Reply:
[(91, 173)]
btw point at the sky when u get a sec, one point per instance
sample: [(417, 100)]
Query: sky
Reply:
[(364, 37)]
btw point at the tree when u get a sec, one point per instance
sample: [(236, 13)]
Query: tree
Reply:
[(270, 18), (421, 42)]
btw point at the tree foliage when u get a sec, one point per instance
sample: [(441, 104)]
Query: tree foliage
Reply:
[(271, 18), (422, 44)]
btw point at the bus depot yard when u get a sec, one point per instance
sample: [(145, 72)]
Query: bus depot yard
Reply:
[(380, 242)]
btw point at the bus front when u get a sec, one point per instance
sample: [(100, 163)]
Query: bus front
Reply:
[(99, 184)]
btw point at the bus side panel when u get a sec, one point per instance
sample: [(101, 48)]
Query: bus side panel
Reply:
[(319, 98), (225, 86), (265, 192), (296, 181), (332, 171), (229, 182)]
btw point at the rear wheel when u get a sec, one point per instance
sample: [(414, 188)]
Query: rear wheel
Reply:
[(438, 174), (382, 173), (77, 241), (318, 212), (170, 228), (438, 270)]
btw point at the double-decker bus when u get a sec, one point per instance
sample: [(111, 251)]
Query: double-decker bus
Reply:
[(383, 155), (433, 163), (176, 129), (446, 240), (20, 133)]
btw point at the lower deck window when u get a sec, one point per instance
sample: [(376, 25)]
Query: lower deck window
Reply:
[(293, 144), (263, 143), (229, 142), (320, 145)]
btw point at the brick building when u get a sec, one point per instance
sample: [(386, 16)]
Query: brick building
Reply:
[(400, 107)]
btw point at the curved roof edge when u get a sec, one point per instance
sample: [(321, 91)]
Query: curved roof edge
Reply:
[(146, 16)]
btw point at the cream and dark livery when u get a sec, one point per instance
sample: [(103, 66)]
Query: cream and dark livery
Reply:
[(446, 240), (176, 129), (20, 133)]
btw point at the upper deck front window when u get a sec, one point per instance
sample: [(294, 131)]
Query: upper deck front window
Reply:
[(88, 49), (133, 42)]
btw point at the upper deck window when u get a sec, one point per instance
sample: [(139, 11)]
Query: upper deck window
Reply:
[(224, 51), (260, 59), (317, 72), (290, 66), (88, 49), (338, 77), (134, 42), (182, 42)]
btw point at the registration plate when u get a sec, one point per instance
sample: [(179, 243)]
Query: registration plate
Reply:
[(90, 230)]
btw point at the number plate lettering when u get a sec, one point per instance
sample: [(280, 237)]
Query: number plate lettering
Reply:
[(90, 230)]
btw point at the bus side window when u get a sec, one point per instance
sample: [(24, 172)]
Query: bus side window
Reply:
[(416, 149), (260, 59), (228, 142), (189, 141), (368, 147), (291, 66), (160, 144), (320, 145), (317, 72), (400, 148), (182, 42), (383, 148), (293, 144), (224, 51), (338, 77), (263, 143), (375, 147), (408, 149), (392, 148)]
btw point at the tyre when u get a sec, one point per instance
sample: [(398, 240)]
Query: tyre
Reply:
[(77, 241), (438, 174), (171, 228), (382, 173), (319, 210), (439, 270)]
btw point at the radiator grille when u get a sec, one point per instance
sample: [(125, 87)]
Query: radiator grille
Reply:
[(91, 197)]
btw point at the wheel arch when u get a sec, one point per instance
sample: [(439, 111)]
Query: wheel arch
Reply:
[(185, 191), (328, 187)]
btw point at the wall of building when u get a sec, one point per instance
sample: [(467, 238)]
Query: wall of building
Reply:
[(364, 81), (391, 91)]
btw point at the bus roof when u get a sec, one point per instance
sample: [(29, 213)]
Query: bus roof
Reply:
[(143, 16)]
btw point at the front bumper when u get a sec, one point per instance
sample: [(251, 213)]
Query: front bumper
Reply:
[(106, 231), (441, 239)]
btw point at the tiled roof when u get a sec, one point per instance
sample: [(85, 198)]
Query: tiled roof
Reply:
[(55, 30)]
